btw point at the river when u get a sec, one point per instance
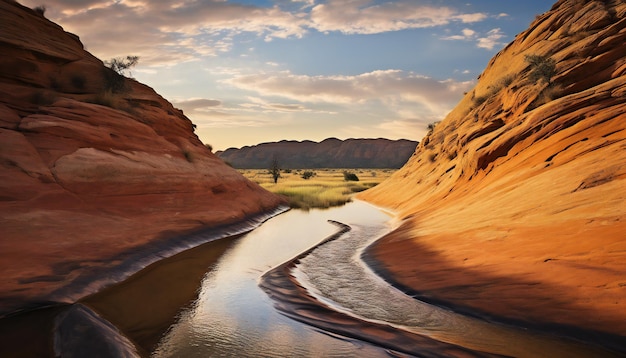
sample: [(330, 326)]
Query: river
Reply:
[(233, 316)]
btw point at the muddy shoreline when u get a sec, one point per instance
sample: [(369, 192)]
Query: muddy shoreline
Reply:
[(33, 330), (603, 340), (292, 300)]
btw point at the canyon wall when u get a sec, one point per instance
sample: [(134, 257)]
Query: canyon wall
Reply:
[(95, 167), (514, 206)]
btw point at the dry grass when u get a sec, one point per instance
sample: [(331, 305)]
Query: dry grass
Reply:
[(326, 189)]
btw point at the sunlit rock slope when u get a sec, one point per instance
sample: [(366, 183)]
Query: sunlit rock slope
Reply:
[(515, 204), (93, 165)]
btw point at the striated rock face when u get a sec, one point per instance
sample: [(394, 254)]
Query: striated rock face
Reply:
[(515, 204), (93, 164), (329, 153)]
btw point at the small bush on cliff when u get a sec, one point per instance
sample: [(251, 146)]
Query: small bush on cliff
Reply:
[(115, 72), (40, 10), (541, 68)]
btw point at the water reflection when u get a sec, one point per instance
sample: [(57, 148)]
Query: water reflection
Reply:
[(234, 317)]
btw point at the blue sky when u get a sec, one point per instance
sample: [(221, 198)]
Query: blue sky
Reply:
[(247, 72)]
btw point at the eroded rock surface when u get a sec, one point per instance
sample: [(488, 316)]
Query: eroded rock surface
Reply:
[(93, 165), (515, 204)]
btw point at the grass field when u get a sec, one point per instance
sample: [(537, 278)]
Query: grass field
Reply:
[(324, 189)]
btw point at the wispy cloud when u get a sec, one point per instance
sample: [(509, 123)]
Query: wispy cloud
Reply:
[(366, 17), (165, 32), (491, 40), (384, 85), (488, 41)]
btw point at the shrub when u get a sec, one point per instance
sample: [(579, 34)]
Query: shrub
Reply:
[(308, 174), (115, 71), (113, 81), (431, 126), (347, 176), (40, 10), (122, 64), (541, 68), (209, 147)]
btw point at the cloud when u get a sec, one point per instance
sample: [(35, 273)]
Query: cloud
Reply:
[(164, 32), (382, 85), (488, 41), (491, 40), (193, 106), (365, 17)]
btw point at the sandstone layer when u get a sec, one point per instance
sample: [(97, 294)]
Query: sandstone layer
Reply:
[(515, 204), (329, 153), (94, 166)]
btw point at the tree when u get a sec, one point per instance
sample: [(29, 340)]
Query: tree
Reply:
[(121, 64), (275, 169)]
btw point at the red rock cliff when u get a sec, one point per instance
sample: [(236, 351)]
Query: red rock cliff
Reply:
[(515, 204), (93, 164)]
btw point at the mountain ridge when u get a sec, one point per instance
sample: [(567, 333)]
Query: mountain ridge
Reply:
[(328, 153)]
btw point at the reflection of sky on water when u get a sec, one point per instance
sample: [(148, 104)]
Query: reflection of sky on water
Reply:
[(234, 317)]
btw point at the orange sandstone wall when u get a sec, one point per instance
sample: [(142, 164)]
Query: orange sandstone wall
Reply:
[(515, 204), (87, 173)]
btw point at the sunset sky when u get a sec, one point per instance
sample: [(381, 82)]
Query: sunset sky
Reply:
[(247, 72)]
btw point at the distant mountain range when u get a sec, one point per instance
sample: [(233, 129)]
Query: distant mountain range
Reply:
[(329, 153)]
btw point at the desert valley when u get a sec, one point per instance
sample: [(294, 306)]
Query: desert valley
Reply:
[(502, 232)]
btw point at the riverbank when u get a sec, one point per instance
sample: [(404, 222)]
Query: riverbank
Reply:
[(140, 296), (484, 292), (293, 300)]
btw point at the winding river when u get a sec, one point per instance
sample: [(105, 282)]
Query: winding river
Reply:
[(233, 316)]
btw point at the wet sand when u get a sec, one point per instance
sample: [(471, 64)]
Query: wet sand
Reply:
[(484, 292), (295, 302)]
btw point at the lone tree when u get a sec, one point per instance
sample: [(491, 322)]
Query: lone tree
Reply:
[(275, 169)]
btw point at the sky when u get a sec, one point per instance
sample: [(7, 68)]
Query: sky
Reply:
[(247, 72)]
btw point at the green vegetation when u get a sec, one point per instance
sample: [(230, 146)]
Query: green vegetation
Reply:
[(541, 68), (348, 176), (308, 175), (325, 189)]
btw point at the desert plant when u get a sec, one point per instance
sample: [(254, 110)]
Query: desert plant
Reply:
[(541, 68), (40, 10), (347, 176), (121, 65), (431, 126), (308, 174)]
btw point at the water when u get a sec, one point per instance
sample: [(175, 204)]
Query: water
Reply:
[(234, 317)]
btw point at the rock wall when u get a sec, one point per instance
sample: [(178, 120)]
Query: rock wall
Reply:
[(515, 204), (93, 165)]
